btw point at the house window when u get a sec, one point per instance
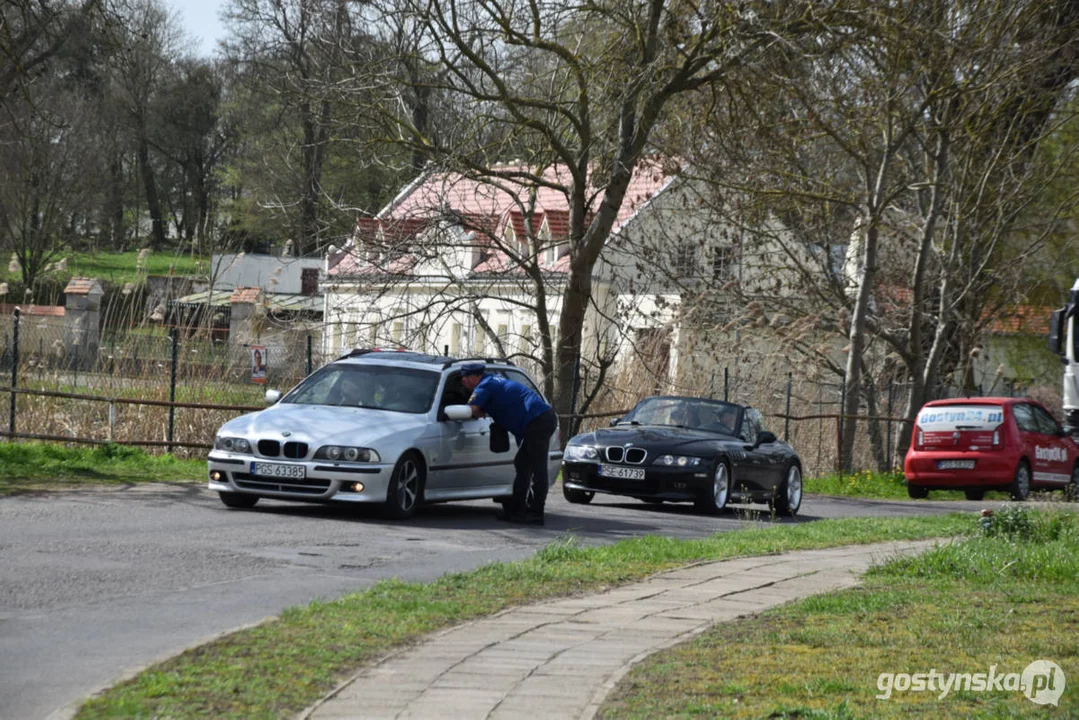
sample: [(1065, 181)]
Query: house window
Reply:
[(398, 331), (374, 334), (480, 338), (455, 339), (526, 339), (309, 281), (552, 253), (722, 264), (685, 260)]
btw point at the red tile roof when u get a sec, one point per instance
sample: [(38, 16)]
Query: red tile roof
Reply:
[(245, 295), (488, 207), (39, 310), (82, 286)]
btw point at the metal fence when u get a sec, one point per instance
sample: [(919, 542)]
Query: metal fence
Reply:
[(173, 392)]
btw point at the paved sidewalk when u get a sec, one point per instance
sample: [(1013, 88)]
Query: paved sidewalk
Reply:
[(559, 659)]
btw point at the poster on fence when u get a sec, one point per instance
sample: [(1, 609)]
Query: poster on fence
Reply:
[(259, 361)]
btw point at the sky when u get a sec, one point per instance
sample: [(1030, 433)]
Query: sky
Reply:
[(201, 22)]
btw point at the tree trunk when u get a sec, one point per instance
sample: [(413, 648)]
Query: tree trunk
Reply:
[(116, 203), (153, 202), (876, 436), (856, 345)]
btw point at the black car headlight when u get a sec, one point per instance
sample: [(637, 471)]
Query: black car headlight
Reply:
[(232, 444), (580, 453), (347, 454), (677, 461)]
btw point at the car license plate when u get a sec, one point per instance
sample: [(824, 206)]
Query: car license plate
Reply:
[(278, 470), (622, 473), (955, 464)]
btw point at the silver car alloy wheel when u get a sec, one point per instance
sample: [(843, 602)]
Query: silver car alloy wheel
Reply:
[(720, 486), (408, 485), (794, 488)]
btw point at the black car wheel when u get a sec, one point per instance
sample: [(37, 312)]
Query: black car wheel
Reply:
[(714, 499), (917, 492), (577, 497), (788, 496), (406, 487), (1020, 487), (974, 494), (241, 501)]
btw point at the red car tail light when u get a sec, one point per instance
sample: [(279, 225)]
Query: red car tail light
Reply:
[(919, 439), (998, 439)]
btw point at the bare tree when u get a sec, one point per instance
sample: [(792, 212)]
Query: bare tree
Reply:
[(578, 87), (921, 159), (293, 51), (46, 154)]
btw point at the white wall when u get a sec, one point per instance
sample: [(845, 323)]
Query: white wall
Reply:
[(269, 272)]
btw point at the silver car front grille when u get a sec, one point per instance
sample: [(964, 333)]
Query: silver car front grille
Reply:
[(631, 455)]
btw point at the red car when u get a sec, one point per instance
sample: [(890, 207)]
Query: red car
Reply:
[(989, 443)]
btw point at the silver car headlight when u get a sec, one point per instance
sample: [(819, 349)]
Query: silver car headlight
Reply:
[(347, 454), (232, 444), (677, 461), (580, 453)]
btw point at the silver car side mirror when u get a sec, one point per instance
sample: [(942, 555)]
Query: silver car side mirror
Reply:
[(272, 396), (459, 412)]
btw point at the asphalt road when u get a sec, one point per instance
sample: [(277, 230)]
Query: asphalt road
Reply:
[(96, 584)]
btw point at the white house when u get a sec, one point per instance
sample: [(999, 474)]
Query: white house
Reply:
[(469, 267)]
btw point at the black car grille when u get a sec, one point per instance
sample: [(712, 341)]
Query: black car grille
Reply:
[(292, 450), (309, 486), (633, 455), (295, 450)]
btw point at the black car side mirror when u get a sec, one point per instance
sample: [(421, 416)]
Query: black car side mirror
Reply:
[(764, 438), (614, 421)]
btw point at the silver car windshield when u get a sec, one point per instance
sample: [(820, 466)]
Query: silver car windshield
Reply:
[(708, 415), (368, 386)]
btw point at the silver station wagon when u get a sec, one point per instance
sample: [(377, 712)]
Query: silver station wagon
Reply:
[(372, 427)]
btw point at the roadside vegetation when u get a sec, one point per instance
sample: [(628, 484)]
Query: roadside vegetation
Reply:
[(280, 667), (32, 467), (1004, 594), (884, 485)]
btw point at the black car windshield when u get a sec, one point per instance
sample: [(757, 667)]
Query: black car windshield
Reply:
[(693, 413), (378, 387)]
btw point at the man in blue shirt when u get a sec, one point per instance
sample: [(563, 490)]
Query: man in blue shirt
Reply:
[(524, 413)]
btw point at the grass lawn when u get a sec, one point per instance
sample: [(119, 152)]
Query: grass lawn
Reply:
[(278, 668), (872, 484), (121, 267), (29, 466), (1006, 596)]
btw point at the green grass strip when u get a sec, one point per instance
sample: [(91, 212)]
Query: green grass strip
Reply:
[(278, 668), (874, 484), (32, 466), (1004, 596)]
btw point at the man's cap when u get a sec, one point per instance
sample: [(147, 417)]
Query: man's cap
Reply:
[(473, 368)]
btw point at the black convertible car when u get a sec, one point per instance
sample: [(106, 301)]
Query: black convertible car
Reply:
[(683, 449)]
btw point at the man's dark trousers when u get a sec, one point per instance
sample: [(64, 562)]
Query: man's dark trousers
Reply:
[(531, 463)]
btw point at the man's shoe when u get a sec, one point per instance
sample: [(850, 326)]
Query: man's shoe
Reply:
[(528, 519)]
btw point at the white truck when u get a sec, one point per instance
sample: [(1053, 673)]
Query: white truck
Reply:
[(1064, 341)]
